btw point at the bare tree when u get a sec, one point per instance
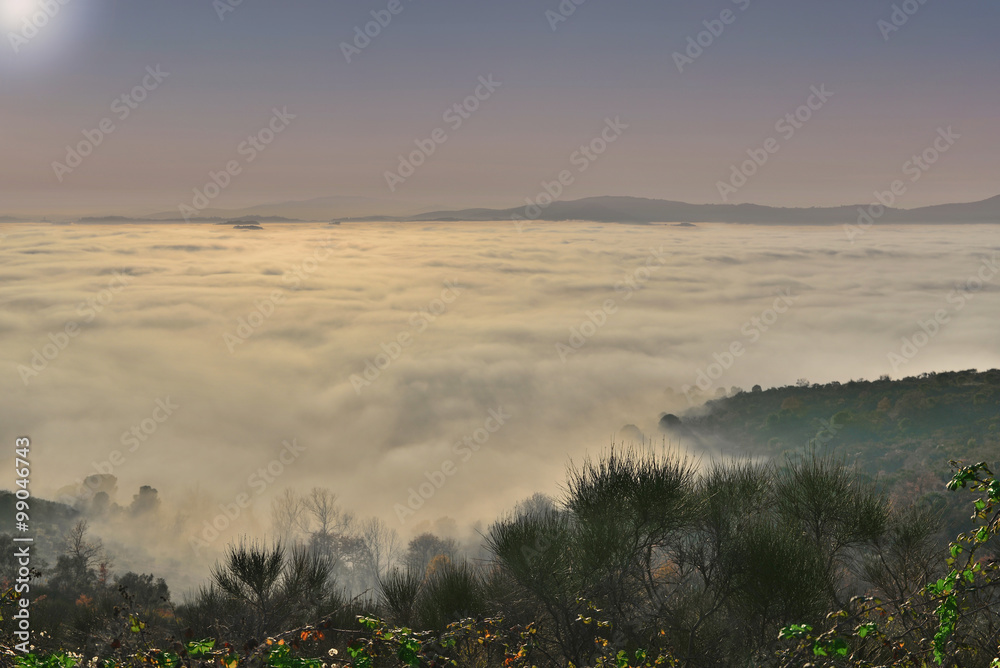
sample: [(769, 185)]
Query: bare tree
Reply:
[(325, 516), (86, 553), (287, 514), (381, 544), (536, 504), (76, 568)]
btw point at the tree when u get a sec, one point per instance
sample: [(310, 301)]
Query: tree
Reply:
[(287, 514), (669, 421), (146, 501), (833, 507), (76, 568), (422, 550), (325, 516), (536, 504), (381, 547), (147, 592), (947, 619), (330, 529), (611, 546), (791, 404)]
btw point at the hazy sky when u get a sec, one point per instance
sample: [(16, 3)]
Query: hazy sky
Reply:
[(557, 87)]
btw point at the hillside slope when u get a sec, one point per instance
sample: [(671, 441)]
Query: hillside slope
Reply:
[(903, 432)]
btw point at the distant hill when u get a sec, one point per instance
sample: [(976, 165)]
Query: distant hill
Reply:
[(639, 210), (595, 209), (49, 522)]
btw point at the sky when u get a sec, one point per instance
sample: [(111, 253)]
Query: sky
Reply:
[(225, 68)]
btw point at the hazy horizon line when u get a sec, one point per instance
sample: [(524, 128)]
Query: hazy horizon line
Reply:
[(424, 209)]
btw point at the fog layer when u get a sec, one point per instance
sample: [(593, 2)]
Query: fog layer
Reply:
[(423, 371)]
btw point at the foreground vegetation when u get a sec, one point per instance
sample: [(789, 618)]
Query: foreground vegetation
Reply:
[(645, 561)]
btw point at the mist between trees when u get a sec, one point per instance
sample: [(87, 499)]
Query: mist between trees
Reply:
[(648, 558)]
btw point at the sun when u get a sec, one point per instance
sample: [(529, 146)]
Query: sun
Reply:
[(13, 12)]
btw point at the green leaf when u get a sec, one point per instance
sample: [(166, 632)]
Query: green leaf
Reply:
[(135, 625), (866, 629), (200, 648), (795, 631)]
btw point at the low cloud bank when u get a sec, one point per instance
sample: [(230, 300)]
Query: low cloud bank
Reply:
[(221, 368)]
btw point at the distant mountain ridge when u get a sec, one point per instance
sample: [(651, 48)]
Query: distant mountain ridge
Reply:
[(640, 210), (607, 209)]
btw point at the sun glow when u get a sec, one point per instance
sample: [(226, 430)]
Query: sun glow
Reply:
[(14, 12)]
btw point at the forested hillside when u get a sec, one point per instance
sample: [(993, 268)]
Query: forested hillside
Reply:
[(904, 432)]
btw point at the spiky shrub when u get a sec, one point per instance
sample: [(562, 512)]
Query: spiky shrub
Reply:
[(267, 588), (622, 521), (906, 556), (631, 510), (779, 575), (711, 563), (398, 593), (537, 552), (452, 592), (832, 504)]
